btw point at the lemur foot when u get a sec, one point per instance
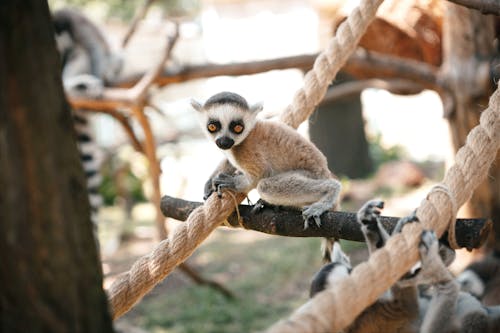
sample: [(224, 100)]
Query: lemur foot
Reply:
[(313, 213), (369, 214), (431, 269), (261, 205), (404, 221), (222, 182), (429, 245)]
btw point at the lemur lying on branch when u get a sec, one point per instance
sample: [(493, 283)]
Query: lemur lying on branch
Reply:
[(424, 300)]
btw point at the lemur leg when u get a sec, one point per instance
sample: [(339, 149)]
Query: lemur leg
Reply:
[(441, 309), (300, 189), (369, 218)]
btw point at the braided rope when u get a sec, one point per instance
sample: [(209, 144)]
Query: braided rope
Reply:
[(335, 308), (328, 63), (150, 269), (181, 243)]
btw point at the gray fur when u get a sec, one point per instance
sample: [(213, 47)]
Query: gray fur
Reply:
[(439, 307), (286, 169)]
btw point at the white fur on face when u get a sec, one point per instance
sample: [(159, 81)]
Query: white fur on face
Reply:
[(225, 114)]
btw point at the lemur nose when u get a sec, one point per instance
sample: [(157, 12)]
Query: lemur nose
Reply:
[(224, 142)]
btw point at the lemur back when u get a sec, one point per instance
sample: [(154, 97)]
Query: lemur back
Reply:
[(273, 140)]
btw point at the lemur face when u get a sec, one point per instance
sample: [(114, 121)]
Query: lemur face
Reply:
[(227, 119)]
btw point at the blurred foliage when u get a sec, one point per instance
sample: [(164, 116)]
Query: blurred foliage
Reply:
[(381, 154), (125, 9), (120, 181)]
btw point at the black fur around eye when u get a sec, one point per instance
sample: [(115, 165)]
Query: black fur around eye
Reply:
[(237, 127), (213, 126)]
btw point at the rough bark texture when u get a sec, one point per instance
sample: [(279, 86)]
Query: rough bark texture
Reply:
[(470, 233), (468, 45), (50, 272)]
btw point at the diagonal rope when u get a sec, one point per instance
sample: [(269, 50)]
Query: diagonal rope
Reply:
[(335, 308), (149, 270), (328, 63)]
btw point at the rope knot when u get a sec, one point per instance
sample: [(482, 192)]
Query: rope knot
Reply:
[(452, 204)]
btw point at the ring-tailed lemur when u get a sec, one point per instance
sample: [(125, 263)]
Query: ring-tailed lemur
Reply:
[(286, 169), (88, 63), (427, 300)]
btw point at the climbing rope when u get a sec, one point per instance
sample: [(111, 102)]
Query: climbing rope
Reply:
[(328, 63), (335, 308), (182, 241)]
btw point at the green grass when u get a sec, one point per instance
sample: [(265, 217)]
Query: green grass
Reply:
[(269, 275)]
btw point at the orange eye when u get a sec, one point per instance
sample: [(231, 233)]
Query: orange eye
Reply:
[(238, 129), (212, 127)]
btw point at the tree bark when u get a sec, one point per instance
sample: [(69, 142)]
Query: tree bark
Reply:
[(468, 45), (50, 272), (470, 233)]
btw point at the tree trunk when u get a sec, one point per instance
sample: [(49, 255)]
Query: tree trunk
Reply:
[(50, 273), (468, 45), (336, 123)]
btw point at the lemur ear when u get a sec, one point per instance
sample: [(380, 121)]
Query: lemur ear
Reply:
[(196, 105), (257, 107)]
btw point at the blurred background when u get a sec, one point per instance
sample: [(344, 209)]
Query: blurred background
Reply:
[(379, 143)]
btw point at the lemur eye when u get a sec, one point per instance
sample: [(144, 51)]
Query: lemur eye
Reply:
[(213, 126), (236, 127)]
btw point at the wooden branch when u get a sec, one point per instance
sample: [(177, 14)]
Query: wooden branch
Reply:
[(376, 65), (484, 6), (114, 98), (191, 72), (346, 89), (470, 233), (140, 14), (368, 64), (199, 279), (362, 64), (124, 121)]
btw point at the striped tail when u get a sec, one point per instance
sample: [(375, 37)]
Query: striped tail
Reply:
[(89, 156)]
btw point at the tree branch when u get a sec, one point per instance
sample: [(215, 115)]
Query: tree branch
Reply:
[(484, 6), (114, 98), (470, 233), (376, 65), (139, 15)]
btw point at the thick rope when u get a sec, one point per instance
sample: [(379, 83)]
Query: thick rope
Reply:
[(328, 63), (150, 269), (181, 243), (335, 308)]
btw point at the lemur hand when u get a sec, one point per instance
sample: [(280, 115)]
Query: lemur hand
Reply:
[(224, 182), (209, 189), (369, 214)]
